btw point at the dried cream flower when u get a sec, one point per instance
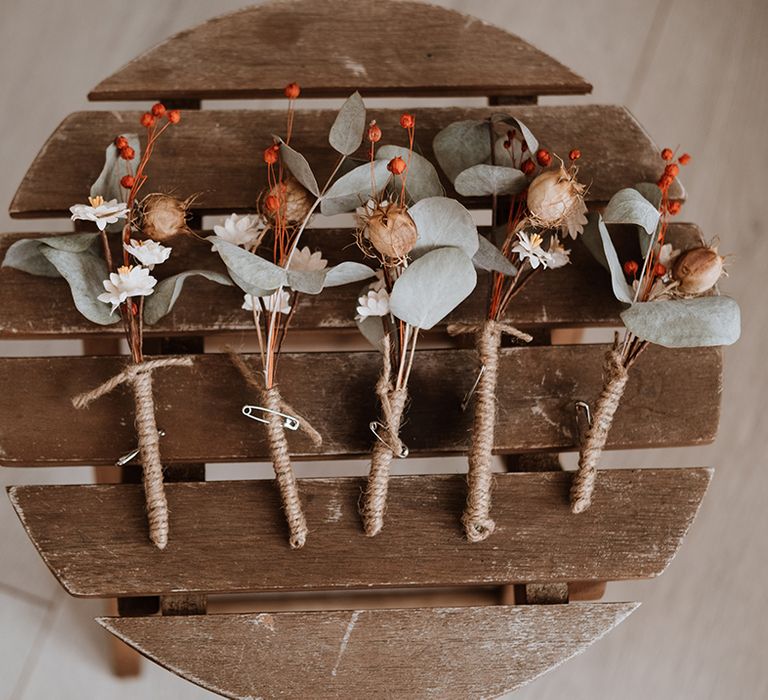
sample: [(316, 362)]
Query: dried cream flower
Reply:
[(103, 213), (557, 255), (130, 281), (528, 247), (373, 303), (304, 260), (246, 230), (148, 253), (279, 301)]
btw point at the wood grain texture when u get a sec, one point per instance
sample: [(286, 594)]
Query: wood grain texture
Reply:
[(572, 296), (217, 154), (450, 653), (230, 536), (274, 44), (199, 407)]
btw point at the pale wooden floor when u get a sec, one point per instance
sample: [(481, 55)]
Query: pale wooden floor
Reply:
[(694, 74)]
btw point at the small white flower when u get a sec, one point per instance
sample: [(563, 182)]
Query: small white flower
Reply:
[(131, 281), (557, 255), (373, 303), (529, 247), (241, 229), (149, 253), (103, 213), (304, 260), (272, 302), (668, 255)]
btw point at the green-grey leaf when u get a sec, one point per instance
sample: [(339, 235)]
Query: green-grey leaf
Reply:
[(432, 286), (592, 239), (167, 291), (306, 281), (347, 131), (372, 328), (252, 273), (528, 137), (85, 274), (26, 255), (628, 206), (421, 178), (355, 188), (652, 193), (483, 179), (441, 222), (297, 164), (489, 257), (621, 290), (347, 272), (684, 323), (108, 184), (461, 145)]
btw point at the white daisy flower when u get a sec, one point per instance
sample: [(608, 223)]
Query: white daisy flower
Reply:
[(272, 302), (304, 260), (373, 303), (128, 281), (241, 229), (529, 247), (149, 253), (103, 213), (557, 255)]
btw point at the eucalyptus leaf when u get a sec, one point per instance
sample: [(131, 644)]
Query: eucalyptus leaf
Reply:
[(461, 145), (347, 272), (85, 274), (107, 184), (441, 222), (684, 323), (297, 164), (592, 239), (621, 290), (372, 328), (481, 180), (355, 188), (432, 286), (306, 281), (252, 273), (514, 122), (489, 257), (652, 193), (421, 178), (26, 255), (347, 131), (167, 291), (628, 206)]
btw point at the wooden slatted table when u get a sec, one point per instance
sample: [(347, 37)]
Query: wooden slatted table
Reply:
[(229, 537)]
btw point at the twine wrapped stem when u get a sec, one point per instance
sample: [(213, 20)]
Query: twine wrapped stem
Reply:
[(477, 521), (139, 377)]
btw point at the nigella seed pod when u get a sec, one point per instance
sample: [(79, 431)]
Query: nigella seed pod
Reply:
[(697, 270), (391, 231), (293, 199), (552, 195), (163, 217)]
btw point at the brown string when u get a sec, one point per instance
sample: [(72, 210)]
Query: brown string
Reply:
[(139, 376), (583, 484), (392, 406), (477, 521)]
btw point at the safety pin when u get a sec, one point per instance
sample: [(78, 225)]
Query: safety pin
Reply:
[(468, 396), (130, 456), (374, 426), (582, 407), (289, 422)]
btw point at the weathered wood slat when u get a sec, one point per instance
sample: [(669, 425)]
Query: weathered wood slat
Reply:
[(334, 391), (450, 653), (576, 295), (217, 154), (277, 43), (229, 536)]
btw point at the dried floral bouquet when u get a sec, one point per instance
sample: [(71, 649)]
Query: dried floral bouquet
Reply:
[(106, 292), (672, 301), (532, 208)]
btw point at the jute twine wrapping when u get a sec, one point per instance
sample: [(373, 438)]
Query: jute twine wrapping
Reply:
[(139, 377), (477, 521), (392, 402), (583, 484), (278, 447)]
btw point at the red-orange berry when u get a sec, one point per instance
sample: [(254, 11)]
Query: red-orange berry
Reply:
[(407, 121), (127, 181), (674, 207), (575, 154), (665, 181), (672, 169), (121, 142), (684, 159), (396, 166), (174, 116), (158, 109), (667, 154), (271, 154), (631, 267), (292, 91), (147, 120), (134, 309), (374, 132), (528, 166), (272, 203), (660, 270), (127, 153), (543, 157)]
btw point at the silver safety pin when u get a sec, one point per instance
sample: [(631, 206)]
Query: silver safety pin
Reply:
[(582, 408), (468, 396), (289, 422), (130, 456), (374, 426)]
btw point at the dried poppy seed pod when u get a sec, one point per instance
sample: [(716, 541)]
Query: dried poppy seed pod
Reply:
[(552, 195), (163, 217), (391, 231), (294, 201), (697, 270)]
